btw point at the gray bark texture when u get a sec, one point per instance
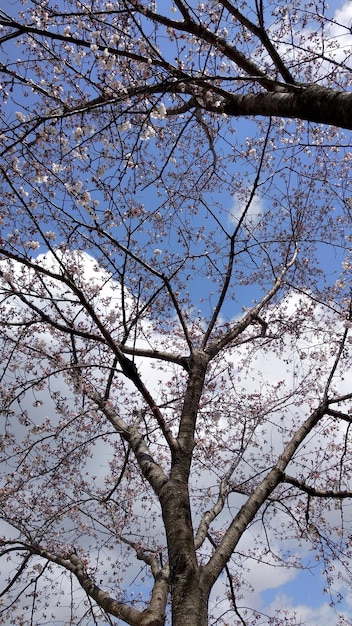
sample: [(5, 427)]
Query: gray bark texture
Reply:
[(312, 103)]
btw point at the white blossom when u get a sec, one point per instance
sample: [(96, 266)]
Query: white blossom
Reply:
[(31, 42), (74, 187), (33, 245), (124, 126), (79, 55), (147, 133), (77, 133), (223, 32), (56, 168), (20, 117), (84, 199), (80, 154), (106, 62), (159, 112), (114, 39), (101, 169), (12, 236), (117, 86), (40, 178), (16, 165)]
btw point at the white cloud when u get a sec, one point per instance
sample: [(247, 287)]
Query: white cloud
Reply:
[(320, 40), (291, 384), (249, 208), (322, 615), (339, 34)]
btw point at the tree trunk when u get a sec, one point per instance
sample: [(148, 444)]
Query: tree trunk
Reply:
[(189, 602), (189, 596), (189, 599)]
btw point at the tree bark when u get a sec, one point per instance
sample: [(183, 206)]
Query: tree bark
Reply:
[(307, 102), (190, 600), (189, 597)]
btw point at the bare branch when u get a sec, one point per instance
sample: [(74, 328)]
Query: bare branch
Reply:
[(317, 493)]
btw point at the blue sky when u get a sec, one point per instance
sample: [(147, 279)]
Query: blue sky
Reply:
[(307, 588)]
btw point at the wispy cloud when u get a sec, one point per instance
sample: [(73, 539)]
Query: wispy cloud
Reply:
[(246, 209)]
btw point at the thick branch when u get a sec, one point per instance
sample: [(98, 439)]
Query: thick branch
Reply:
[(340, 415), (311, 103), (161, 355), (198, 366), (150, 469), (73, 564), (260, 32), (259, 495)]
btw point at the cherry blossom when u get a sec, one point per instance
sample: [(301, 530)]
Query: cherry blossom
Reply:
[(175, 311)]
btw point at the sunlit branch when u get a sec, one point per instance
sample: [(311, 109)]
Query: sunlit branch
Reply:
[(211, 514), (150, 469), (308, 102), (231, 585), (259, 495)]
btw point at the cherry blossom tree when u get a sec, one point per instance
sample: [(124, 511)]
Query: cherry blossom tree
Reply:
[(175, 308)]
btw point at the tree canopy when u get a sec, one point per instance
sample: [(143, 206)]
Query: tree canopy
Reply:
[(175, 264)]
